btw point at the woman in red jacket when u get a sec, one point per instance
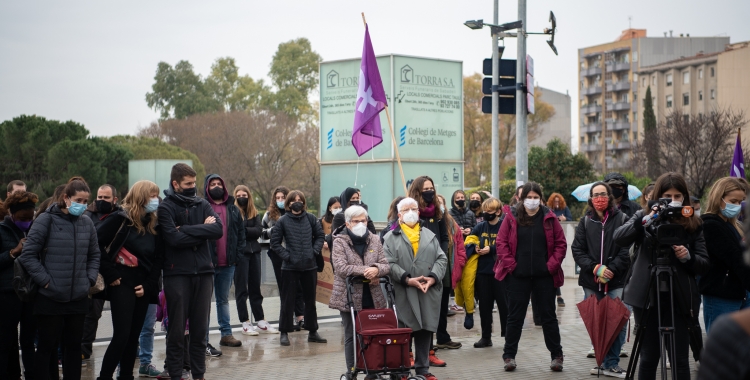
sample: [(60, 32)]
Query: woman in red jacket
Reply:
[(530, 249)]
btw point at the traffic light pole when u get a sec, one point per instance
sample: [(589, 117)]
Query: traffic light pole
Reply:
[(522, 139), (495, 107)]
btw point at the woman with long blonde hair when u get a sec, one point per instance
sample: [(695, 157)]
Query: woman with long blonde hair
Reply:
[(726, 286), (247, 274), (132, 258)]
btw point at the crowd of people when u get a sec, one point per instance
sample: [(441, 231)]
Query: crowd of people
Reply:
[(161, 256)]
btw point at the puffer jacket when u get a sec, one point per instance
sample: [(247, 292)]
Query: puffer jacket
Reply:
[(346, 262), (507, 243), (588, 252), (464, 217), (72, 260), (636, 292), (10, 235), (253, 230), (302, 236)]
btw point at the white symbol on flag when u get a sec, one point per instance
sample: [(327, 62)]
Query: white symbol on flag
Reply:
[(366, 96)]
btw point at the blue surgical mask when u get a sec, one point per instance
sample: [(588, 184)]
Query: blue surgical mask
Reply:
[(152, 205), (442, 209), (76, 209), (731, 210), (280, 204)]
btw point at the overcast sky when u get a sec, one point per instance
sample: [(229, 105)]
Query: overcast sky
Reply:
[(93, 62)]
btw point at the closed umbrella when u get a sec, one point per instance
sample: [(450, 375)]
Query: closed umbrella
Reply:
[(604, 319)]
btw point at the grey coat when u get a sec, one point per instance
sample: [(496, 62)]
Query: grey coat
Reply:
[(416, 310), (72, 261), (347, 262)]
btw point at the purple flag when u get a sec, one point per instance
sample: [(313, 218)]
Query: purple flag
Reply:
[(366, 133), (738, 162)]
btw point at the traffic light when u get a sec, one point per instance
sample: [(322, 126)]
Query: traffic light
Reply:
[(506, 86)]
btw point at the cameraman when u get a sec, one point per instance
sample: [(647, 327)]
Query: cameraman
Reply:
[(688, 261)]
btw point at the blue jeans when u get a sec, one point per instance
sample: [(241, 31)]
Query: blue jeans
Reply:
[(146, 341), (613, 355), (223, 277), (713, 307)]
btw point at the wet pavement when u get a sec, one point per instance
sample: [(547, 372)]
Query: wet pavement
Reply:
[(261, 357)]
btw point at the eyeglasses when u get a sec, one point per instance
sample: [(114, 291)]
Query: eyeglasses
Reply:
[(415, 208), (597, 195)]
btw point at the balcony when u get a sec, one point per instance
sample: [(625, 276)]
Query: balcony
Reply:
[(623, 145), (591, 108), (591, 71), (590, 147), (618, 66), (619, 106), (591, 128), (591, 90), (618, 125), (619, 86)]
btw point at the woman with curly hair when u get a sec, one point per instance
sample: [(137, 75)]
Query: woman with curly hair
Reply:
[(557, 204), (19, 212)]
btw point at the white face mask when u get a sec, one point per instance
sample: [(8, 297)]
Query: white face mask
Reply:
[(359, 229), (410, 218), (442, 209), (335, 211), (675, 204), (531, 204)]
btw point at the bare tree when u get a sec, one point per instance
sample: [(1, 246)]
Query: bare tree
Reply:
[(700, 147)]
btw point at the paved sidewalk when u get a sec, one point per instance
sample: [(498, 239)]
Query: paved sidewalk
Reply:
[(261, 357)]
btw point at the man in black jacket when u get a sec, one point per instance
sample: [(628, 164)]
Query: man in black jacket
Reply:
[(105, 204), (619, 186), (187, 223), (224, 252)]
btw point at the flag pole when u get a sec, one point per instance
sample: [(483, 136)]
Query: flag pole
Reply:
[(393, 136)]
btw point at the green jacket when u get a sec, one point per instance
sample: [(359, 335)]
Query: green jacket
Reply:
[(416, 310)]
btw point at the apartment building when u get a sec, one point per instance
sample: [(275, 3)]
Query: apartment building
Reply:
[(609, 110)]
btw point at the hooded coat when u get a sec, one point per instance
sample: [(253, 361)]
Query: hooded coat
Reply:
[(187, 250), (339, 220), (627, 206), (234, 229), (416, 310), (506, 245), (347, 262)]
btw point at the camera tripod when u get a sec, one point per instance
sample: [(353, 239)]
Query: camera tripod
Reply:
[(662, 278)]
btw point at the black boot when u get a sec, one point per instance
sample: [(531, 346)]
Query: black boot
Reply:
[(284, 339), (314, 337)]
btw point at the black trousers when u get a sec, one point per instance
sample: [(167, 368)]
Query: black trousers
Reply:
[(54, 330), (489, 292), (519, 292), (442, 330), (128, 315), (188, 298), (276, 261), (293, 283), (247, 286), (651, 349), (90, 325), (15, 312)]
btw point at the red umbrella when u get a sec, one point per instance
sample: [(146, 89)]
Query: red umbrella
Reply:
[(604, 319)]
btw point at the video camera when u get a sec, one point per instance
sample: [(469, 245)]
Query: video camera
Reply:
[(659, 226)]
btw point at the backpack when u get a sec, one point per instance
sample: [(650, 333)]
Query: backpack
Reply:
[(24, 286)]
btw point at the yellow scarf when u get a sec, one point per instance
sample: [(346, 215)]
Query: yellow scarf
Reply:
[(412, 233)]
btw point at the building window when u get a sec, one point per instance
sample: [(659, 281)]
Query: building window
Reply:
[(669, 79), (624, 97), (700, 73), (653, 80), (643, 82), (685, 99), (686, 77), (713, 94), (635, 56), (713, 72), (635, 116), (700, 95), (635, 78), (686, 119), (669, 101)]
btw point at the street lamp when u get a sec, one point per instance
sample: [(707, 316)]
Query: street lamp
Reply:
[(475, 24)]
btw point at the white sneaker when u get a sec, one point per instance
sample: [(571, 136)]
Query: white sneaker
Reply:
[(265, 327), (248, 329)]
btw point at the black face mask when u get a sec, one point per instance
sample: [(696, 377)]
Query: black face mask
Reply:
[(242, 201), (461, 203), (474, 204), (617, 192), (428, 196), (103, 206), (489, 216), (355, 203), (217, 193), (297, 206), (188, 192)]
